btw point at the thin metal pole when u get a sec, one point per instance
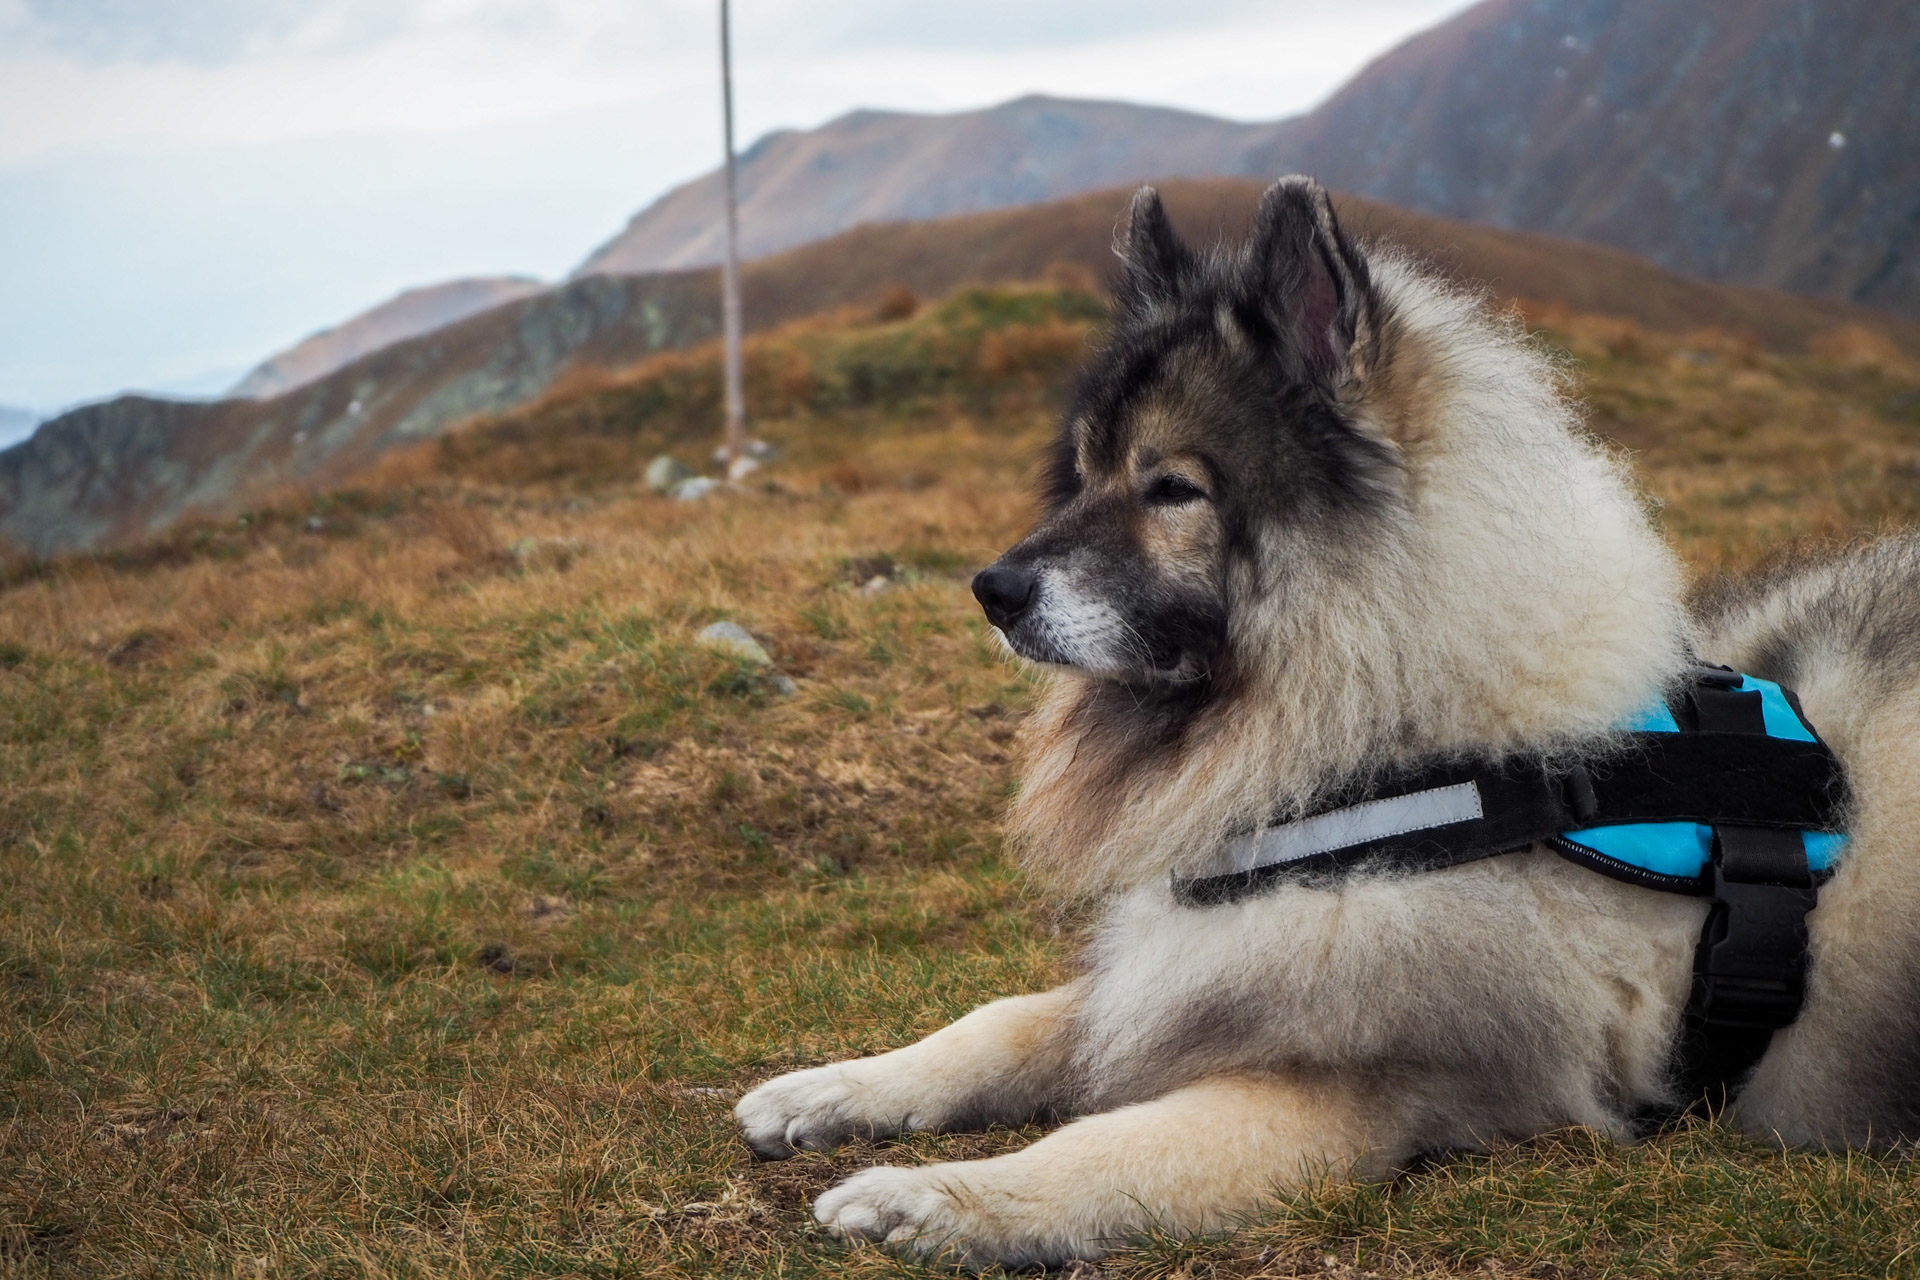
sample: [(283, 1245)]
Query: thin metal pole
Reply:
[(736, 436)]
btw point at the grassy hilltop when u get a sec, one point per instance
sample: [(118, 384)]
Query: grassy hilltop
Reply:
[(390, 885)]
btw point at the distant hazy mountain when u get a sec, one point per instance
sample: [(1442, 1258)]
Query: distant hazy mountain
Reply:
[(16, 424), (892, 166), (112, 473), (1770, 142), (407, 315)]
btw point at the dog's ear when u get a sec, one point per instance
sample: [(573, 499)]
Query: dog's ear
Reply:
[(1154, 257), (1311, 279)]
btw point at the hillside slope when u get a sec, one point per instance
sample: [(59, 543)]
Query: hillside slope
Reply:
[(406, 315), (380, 902), (1767, 142), (114, 472), (1763, 142)]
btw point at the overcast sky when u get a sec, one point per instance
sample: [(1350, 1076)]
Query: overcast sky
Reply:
[(189, 185)]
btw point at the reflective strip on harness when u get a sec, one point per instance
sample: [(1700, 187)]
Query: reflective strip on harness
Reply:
[(1357, 824)]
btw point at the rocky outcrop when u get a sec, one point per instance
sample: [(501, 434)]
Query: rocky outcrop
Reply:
[(115, 471)]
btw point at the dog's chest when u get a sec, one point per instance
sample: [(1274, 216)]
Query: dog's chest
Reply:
[(1469, 964)]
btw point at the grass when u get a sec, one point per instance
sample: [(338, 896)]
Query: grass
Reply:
[(391, 886)]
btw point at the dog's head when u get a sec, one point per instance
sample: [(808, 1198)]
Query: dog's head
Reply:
[(1212, 441)]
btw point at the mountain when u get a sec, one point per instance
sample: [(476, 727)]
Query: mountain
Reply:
[(1762, 142), (1766, 142), (892, 166), (406, 315), (112, 473)]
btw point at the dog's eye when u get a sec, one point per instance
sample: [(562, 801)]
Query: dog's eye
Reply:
[(1171, 490)]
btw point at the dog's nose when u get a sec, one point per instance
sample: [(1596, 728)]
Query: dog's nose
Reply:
[(1004, 592)]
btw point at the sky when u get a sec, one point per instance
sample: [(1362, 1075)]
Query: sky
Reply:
[(187, 186)]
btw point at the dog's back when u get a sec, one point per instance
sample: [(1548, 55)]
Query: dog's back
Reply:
[(1844, 631)]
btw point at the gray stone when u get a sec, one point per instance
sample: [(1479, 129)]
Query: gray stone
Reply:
[(696, 488), (731, 638), (666, 471)]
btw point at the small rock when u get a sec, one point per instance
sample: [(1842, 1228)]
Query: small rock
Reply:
[(731, 638), (862, 568), (497, 956), (696, 488), (873, 586), (742, 467), (785, 687), (666, 472), (316, 524)]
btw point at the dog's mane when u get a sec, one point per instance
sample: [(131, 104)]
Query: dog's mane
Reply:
[(1514, 598)]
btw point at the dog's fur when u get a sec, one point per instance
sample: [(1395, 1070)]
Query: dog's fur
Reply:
[(1313, 513)]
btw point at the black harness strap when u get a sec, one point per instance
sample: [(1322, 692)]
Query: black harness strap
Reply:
[(1750, 969), (1703, 777)]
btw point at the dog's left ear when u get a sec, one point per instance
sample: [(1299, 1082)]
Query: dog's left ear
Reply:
[(1154, 258), (1312, 281)]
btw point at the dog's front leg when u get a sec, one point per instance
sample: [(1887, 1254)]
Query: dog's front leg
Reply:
[(1192, 1162), (1002, 1062)]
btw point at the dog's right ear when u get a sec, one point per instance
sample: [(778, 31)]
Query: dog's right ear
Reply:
[(1154, 257)]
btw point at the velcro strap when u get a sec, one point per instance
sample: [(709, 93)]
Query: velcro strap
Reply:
[(1713, 777)]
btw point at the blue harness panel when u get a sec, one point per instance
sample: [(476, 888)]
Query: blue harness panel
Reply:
[(1680, 850)]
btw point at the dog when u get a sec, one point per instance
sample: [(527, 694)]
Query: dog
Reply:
[(1313, 512)]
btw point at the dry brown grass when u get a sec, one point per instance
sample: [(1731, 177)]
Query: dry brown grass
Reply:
[(390, 885)]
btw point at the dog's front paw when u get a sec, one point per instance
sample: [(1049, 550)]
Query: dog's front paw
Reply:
[(810, 1110), (932, 1212), (889, 1205)]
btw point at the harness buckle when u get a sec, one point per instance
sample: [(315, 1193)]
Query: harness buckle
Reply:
[(1750, 969)]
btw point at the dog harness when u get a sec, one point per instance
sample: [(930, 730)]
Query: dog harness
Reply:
[(1722, 791)]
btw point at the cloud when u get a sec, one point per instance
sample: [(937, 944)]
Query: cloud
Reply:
[(195, 32)]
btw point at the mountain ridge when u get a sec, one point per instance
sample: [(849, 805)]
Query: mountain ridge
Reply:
[(407, 314), (1700, 136), (869, 165), (112, 473)]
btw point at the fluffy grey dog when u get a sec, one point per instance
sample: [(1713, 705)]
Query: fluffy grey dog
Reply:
[(1313, 512)]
